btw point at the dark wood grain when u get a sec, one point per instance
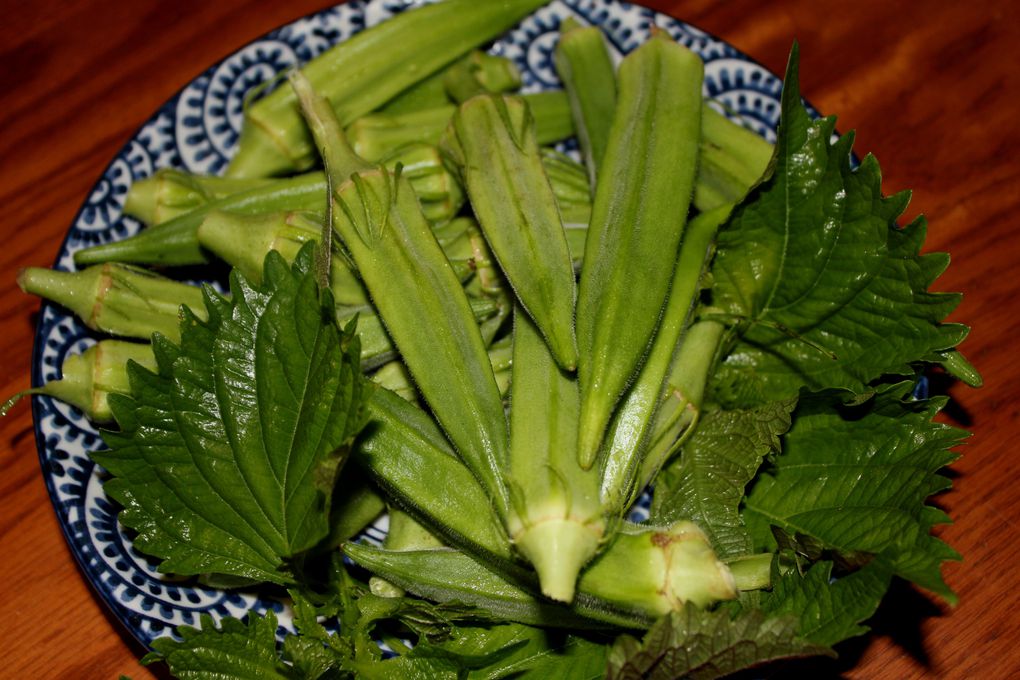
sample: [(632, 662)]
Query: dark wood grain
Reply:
[(931, 88)]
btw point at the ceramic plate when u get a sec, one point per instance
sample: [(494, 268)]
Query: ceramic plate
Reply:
[(197, 130)]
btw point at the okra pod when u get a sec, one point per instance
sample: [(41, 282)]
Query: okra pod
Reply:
[(364, 72), (170, 193), (425, 94), (243, 241), (175, 243), (480, 73), (88, 379), (589, 78), (445, 575), (627, 438), (117, 299), (414, 287), (556, 519), (378, 218), (376, 346), (732, 161), (516, 209), (684, 393), (408, 456), (638, 217), (376, 136)]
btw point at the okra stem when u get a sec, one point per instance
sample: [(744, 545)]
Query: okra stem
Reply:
[(88, 379), (171, 192), (638, 217), (556, 519), (364, 72), (589, 78), (117, 299)]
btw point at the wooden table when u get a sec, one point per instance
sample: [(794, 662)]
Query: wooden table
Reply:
[(930, 86)]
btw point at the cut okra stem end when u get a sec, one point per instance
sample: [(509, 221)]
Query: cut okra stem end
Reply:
[(559, 549)]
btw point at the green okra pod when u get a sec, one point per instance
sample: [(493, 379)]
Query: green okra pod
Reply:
[(88, 379), (480, 73), (413, 286), (364, 72), (117, 299), (627, 438), (732, 160), (408, 456), (446, 575), (638, 216), (243, 241), (170, 192), (175, 243), (589, 78), (425, 94), (376, 346), (376, 136), (684, 393), (516, 209), (555, 519)]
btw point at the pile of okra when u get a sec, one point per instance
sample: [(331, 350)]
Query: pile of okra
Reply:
[(526, 316)]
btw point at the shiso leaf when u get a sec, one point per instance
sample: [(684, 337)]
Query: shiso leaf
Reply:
[(856, 480), (698, 644), (227, 457), (824, 289), (706, 482)]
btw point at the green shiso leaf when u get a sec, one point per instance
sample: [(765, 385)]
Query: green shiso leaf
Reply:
[(227, 456), (234, 651), (698, 644), (855, 480), (706, 482), (829, 610), (826, 291)]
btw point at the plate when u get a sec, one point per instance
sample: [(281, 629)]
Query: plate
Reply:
[(197, 130)]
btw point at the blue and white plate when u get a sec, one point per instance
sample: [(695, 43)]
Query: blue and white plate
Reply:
[(197, 130)]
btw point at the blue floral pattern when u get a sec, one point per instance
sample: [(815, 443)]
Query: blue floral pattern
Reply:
[(198, 130)]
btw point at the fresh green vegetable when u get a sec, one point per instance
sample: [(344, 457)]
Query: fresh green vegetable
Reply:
[(637, 220), (88, 379), (502, 166), (480, 73), (623, 472), (176, 243), (380, 222), (364, 72), (556, 519), (752, 364), (268, 500), (589, 79), (378, 135), (170, 193), (117, 299)]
